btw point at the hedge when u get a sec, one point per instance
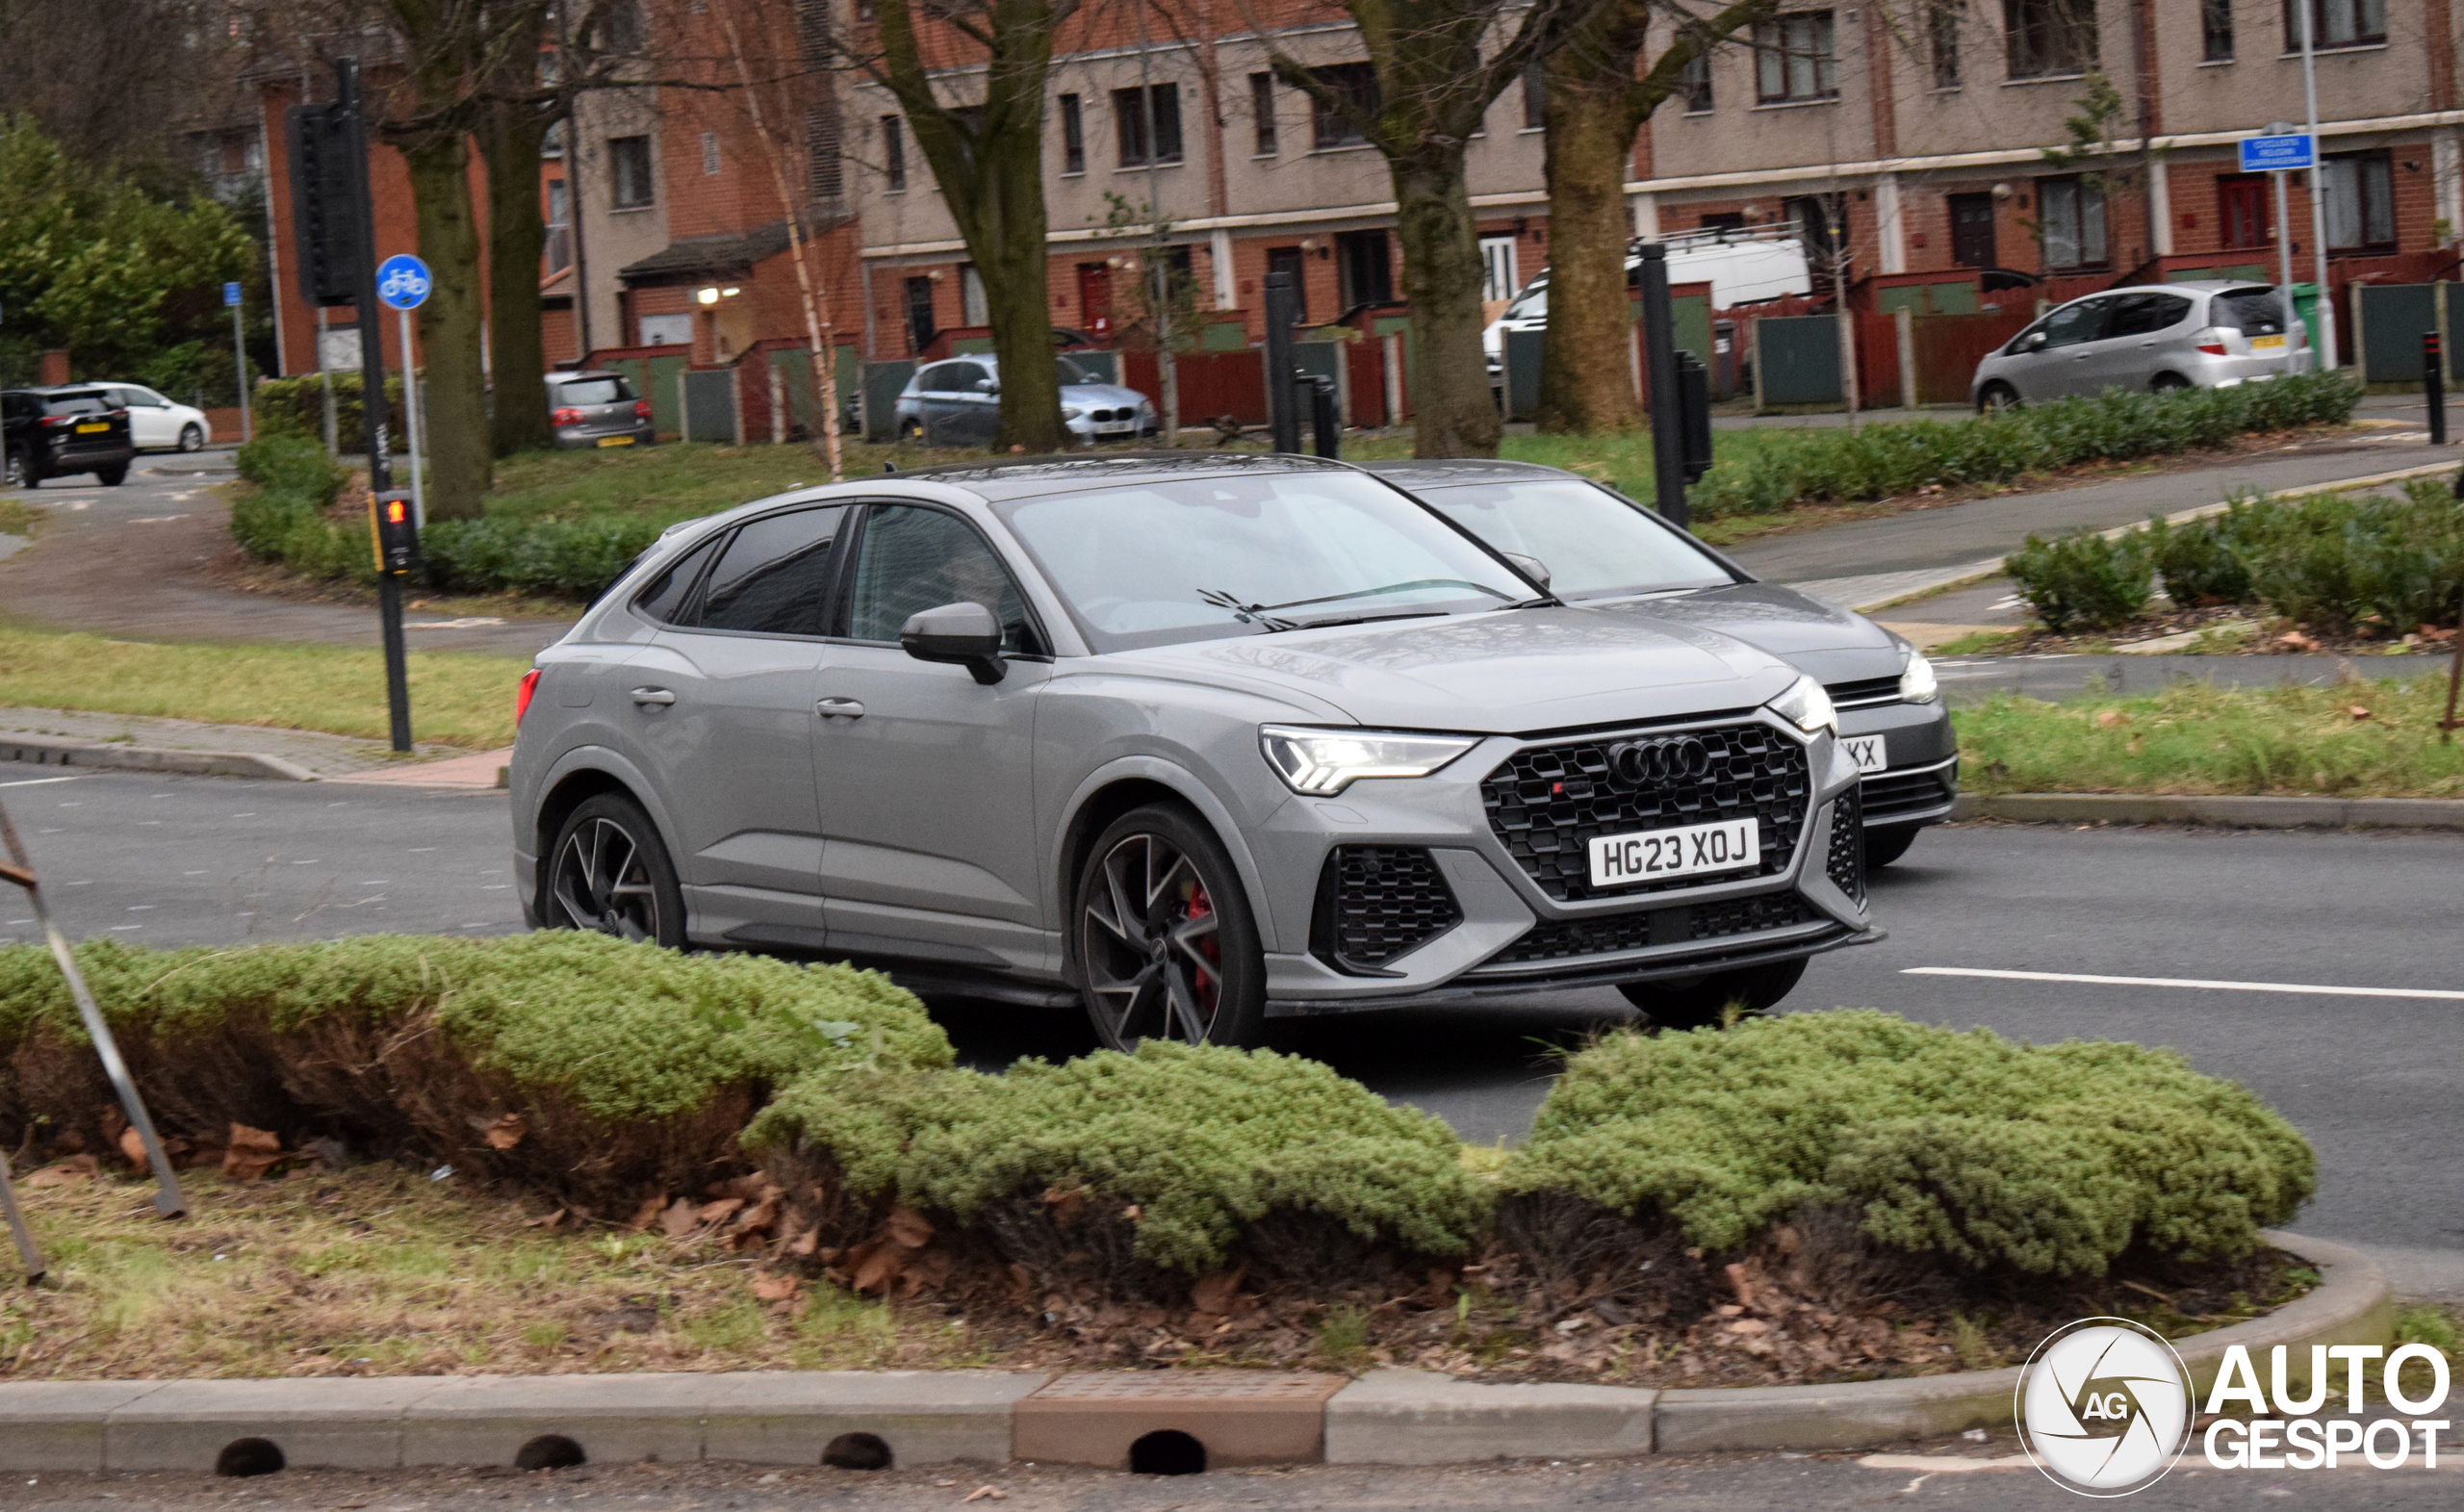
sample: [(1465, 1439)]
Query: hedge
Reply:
[(1206, 1142), (2332, 561), (296, 408), (283, 517), (1986, 1154), (1882, 461), (632, 1067)]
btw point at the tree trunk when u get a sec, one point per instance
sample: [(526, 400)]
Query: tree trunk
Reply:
[(511, 135), (1453, 414), (1586, 365), (456, 432), (1022, 339)]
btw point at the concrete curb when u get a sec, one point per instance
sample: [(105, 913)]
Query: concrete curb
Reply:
[(1389, 1417), (45, 751), (2258, 814)]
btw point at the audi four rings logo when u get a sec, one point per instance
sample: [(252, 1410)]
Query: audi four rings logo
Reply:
[(1641, 761)]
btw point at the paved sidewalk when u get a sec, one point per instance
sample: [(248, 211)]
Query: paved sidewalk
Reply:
[(327, 755)]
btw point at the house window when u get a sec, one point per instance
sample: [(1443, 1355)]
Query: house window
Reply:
[(2361, 201), (710, 152), (2216, 30), (1794, 60), (974, 308), (1724, 220), (629, 171), (1943, 18), (1357, 84), (1262, 114), (2050, 38), (1694, 84), (1074, 137), (823, 154), (1293, 260), (2070, 220), (920, 329), (623, 32), (894, 152), (1129, 122), (2242, 217), (1367, 267), (1535, 98), (2337, 23)]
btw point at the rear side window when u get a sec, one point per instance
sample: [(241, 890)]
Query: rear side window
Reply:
[(2254, 312), (2146, 314), (664, 600), (773, 577), (594, 390)]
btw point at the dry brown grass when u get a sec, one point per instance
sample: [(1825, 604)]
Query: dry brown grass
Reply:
[(379, 1270)]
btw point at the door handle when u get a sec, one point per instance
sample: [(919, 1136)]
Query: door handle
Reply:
[(648, 696), (840, 709)]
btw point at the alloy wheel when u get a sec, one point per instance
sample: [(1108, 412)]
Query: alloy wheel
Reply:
[(191, 439), (603, 883), (1153, 960)]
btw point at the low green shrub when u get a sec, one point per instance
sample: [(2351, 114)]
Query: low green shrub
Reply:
[(1881, 461), (630, 1066), (282, 517), (296, 407), (1988, 1154), (1207, 1143), (497, 553), (2083, 579)]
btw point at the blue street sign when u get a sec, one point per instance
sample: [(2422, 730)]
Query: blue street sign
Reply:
[(402, 281), (230, 293), (2278, 154)]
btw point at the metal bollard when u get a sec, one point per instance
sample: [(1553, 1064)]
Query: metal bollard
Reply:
[(2435, 386)]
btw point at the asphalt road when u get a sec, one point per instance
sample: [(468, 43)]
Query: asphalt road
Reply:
[(2371, 1079)]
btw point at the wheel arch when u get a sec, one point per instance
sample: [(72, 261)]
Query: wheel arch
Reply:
[(559, 796), (1133, 783)]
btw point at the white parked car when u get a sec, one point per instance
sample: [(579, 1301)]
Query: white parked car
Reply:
[(1741, 266), (157, 424)]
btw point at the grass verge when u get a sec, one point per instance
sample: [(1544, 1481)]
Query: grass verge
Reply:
[(2350, 740), (457, 699)]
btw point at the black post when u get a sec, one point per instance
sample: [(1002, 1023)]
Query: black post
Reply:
[(2435, 386), (372, 399), (1660, 365), (1283, 408), (1325, 420)]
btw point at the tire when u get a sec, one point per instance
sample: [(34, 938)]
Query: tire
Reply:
[(912, 431), (112, 477), (191, 439), (1885, 845), (1996, 398), (1702, 1003), (609, 872), (18, 473), (2168, 383), (1162, 938)]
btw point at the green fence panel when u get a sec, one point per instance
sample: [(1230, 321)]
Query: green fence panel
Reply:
[(882, 382), (667, 416), (1523, 352), (2390, 319), (1796, 360)]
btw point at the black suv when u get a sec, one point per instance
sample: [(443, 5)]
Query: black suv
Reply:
[(74, 428)]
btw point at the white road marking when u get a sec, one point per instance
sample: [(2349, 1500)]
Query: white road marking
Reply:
[(37, 781), (2438, 993)]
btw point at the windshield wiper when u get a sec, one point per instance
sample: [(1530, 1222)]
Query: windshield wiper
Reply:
[(1246, 613), (1358, 619), (1393, 587)]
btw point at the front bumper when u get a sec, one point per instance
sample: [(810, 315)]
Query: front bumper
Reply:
[(1921, 783), (1405, 891)]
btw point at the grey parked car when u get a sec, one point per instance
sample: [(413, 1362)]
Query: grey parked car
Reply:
[(1196, 740), (957, 404), (2208, 334), (598, 409), (1603, 551)]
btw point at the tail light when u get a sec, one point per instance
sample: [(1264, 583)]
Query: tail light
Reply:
[(565, 417), (2211, 341), (54, 422), (641, 409), (521, 694)]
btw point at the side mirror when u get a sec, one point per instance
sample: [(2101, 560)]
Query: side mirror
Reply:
[(988, 385), (1531, 566), (2035, 342), (963, 634)]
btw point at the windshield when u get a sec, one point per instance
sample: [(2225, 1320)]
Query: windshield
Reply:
[(594, 390), (1595, 544), (1201, 558), (1071, 372), (2254, 312), (1532, 304), (77, 405)]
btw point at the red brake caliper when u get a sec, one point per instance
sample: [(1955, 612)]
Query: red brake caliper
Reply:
[(1206, 984)]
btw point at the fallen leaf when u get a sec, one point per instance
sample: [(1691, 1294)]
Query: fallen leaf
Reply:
[(65, 1174), (763, 1216), (552, 1220), (503, 1134), (1749, 1326), (647, 1213), (134, 1148), (680, 1219), (1065, 1205), (1214, 1293), (251, 1153), (987, 1494), (1744, 1283), (776, 1288), (1133, 1213), (803, 1244), (874, 1267), (2108, 718), (2297, 641), (908, 1227), (719, 1211), (2359, 712)]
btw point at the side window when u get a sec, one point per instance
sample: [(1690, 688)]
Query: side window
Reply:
[(911, 559), (2083, 322), (664, 599), (774, 576), (2146, 314), (962, 377), (932, 380)]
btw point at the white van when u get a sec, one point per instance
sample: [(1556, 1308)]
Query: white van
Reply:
[(1741, 266)]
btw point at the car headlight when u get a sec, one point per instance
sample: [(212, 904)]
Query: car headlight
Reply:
[(1916, 681), (1806, 707), (1324, 762), (1070, 412)]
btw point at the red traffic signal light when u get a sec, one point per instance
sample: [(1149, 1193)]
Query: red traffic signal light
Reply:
[(396, 532)]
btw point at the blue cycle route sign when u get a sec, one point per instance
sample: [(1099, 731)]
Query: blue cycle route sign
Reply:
[(230, 293), (2278, 154), (402, 281)]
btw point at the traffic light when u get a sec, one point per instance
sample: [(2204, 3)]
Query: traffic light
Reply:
[(328, 161), (396, 532)]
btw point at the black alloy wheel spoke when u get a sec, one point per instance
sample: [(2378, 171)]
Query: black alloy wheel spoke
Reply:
[(601, 884), (1143, 950)]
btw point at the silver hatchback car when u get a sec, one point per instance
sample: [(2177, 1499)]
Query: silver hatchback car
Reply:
[(1192, 740), (2208, 334)]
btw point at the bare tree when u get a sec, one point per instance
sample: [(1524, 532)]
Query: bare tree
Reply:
[(1598, 96)]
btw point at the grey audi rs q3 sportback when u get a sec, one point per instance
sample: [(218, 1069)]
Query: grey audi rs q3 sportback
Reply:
[(1193, 740)]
